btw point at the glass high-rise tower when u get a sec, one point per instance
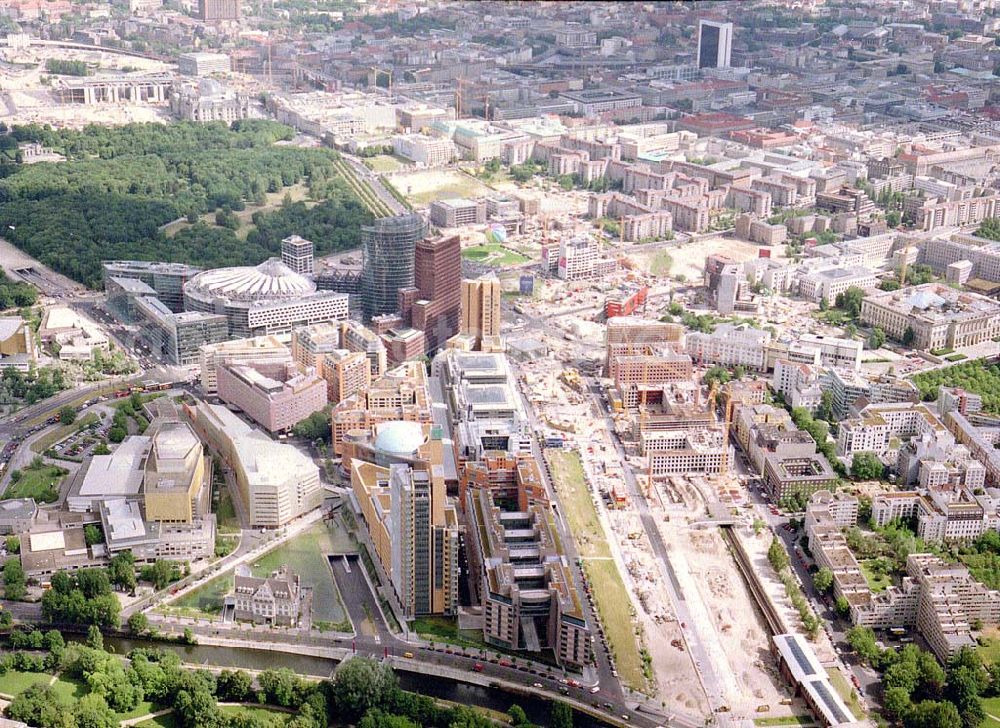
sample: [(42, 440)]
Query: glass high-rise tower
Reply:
[(389, 247)]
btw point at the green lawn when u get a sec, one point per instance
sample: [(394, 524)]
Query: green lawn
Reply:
[(256, 711), (69, 690), (164, 721), (876, 582), (56, 434), (445, 629), (13, 682), (305, 555), (494, 254), (577, 504), (610, 595), (39, 483), (143, 708), (989, 650), (385, 163), (800, 720), (992, 708), (846, 692), (225, 512)]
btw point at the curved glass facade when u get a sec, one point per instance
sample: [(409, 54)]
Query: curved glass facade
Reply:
[(389, 246)]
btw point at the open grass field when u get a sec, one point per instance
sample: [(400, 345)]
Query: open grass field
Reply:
[(846, 692), (610, 595), (494, 254), (876, 582), (615, 609), (143, 708), (163, 721), (423, 188), (14, 682), (445, 629), (989, 650), (576, 502), (661, 263), (992, 708), (305, 555), (794, 720), (53, 436), (385, 164), (41, 483)]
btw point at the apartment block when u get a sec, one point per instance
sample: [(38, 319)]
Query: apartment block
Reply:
[(879, 426), (529, 599), (729, 346)]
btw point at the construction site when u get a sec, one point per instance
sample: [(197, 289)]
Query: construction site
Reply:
[(692, 512)]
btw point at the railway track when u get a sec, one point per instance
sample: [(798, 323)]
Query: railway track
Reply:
[(764, 605)]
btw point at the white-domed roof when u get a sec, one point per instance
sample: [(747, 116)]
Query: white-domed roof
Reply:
[(399, 438), (271, 280)]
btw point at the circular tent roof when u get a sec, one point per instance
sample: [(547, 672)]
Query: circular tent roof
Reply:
[(400, 438), (271, 280)]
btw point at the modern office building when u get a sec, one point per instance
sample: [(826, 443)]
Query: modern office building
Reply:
[(480, 306), (275, 396), (399, 394), (269, 298), (413, 526), (715, 44), (310, 343), (178, 337), (297, 254), (346, 373), (166, 279), (17, 343), (277, 482), (258, 350), (389, 247), (485, 405), (457, 211), (354, 336), (203, 64), (729, 346), (213, 11), (433, 305), (517, 564)]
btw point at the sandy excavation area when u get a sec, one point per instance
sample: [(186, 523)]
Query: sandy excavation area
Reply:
[(732, 631), (689, 259)]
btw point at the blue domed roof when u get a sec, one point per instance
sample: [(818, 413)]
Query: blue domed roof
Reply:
[(400, 438)]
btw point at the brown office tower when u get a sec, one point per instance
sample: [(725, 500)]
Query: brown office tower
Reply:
[(215, 10), (481, 307), (437, 278)]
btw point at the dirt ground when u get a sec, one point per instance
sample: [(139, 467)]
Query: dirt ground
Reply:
[(689, 260), (732, 631)]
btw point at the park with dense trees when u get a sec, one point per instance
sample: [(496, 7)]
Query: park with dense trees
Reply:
[(120, 185), (94, 688)]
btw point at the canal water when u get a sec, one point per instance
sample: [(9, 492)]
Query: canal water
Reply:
[(537, 709)]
